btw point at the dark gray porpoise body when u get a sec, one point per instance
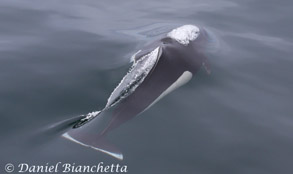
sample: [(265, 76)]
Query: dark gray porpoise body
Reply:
[(175, 62)]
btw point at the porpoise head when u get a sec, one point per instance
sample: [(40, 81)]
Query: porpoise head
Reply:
[(187, 42), (184, 34)]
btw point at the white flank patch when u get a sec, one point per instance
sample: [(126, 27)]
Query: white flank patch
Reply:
[(182, 80), (184, 34)]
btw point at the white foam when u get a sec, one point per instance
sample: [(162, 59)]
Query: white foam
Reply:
[(132, 59), (93, 114), (184, 34)]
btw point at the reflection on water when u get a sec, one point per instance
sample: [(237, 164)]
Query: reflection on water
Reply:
[(60, 59)]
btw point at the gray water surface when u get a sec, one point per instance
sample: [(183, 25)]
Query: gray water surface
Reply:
[(60, 59)]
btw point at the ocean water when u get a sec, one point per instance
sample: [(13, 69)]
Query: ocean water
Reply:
[(60, 59)]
